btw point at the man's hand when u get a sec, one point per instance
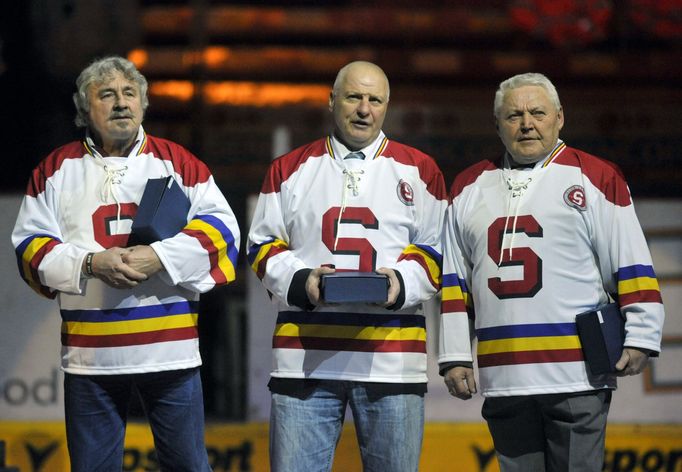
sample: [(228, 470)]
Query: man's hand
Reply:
[(143, 259), (631, 362), (312, 284), (460, 382), (110, 268), (393, 285)]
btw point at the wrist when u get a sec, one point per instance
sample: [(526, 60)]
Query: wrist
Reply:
[(87, 265)]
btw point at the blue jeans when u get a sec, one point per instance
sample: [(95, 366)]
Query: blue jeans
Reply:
[(96, 409), (304, 431)]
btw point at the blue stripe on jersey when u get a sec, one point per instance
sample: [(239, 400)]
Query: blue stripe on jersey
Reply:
[(351, 319), (634, 271), (452, 280), (135, 313), (526, 331), (435, 255), (228, 237)]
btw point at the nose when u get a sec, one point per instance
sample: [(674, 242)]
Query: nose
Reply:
[(363, 107), (120, 103), (526, 122)]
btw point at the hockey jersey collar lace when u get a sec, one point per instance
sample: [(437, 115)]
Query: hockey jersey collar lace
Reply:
[(517, 183), (113, 173), (352, 168)]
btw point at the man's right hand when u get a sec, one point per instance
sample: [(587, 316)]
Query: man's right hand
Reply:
[(108, 266), (312, 284), (461, 382)]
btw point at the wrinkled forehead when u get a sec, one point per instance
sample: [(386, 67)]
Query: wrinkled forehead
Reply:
[(365, 80), (113, 79), (526, 96)]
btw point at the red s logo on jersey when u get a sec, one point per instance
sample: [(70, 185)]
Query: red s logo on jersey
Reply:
[(575, 197)]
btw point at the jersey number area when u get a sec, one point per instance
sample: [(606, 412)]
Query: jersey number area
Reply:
[(531, 282), (350, 246)]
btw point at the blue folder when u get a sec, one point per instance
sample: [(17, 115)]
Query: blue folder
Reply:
[(602, 334), (162, 212)]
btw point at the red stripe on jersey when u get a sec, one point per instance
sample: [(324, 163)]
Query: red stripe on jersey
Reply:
[(51, 164), (429, 172), (419, 259), (37, 258), (284, 166), (347, 345), (529, 357), (132, 339), (453, 306), (213, 256), (469, 175), (191, 169), (641, 296), (273, 251), (604, 175)]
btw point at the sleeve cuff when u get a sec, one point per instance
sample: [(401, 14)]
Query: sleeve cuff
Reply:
[(297, 295), (446, 366)]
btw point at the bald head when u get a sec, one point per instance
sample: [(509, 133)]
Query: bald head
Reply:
[(360, 66), (358, 102)]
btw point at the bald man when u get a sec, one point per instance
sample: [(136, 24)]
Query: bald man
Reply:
[(351, 201)]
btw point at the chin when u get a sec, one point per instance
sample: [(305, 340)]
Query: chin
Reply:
[(526, 159)]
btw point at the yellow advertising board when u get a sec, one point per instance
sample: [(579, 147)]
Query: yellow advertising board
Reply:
[(34, 447)]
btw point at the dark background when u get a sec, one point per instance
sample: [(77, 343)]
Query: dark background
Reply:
[(252, 68)]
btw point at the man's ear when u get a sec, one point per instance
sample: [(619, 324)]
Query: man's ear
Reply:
[(331, 100)]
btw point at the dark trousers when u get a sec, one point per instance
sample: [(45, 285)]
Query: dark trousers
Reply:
[(552, 433)]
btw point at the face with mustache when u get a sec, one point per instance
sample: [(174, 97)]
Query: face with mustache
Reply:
[(115, 113), (359, 104), (528, 123)]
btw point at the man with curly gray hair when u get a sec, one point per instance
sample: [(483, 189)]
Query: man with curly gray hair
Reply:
[(129, 310)]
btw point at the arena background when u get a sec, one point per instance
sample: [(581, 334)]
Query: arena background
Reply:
[(241, 82)]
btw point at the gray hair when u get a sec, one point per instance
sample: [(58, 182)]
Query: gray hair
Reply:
[(340, 77), (522, 80), (96, 73)]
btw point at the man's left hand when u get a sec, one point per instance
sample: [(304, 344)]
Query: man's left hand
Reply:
[(143, 259), (393, 285), (631, 362)]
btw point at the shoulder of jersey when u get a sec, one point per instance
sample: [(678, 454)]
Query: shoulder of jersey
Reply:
[(51, 164), (428, 169), (287, 164), (604, 175), (192, 170), (469, 175)]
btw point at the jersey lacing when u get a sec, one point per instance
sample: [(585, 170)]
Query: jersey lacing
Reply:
[(351, 178), (517, 189), (113, 177)]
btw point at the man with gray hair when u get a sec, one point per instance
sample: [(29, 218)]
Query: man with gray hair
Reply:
[(532, 240), (129, 311)]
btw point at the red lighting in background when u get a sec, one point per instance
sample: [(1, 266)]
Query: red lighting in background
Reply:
[(253, 94)]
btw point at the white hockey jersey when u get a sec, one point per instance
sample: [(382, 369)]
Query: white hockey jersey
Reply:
[(539, 246), (78, 202), (384, 211)]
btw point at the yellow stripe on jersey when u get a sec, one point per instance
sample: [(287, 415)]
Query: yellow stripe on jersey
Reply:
[(265, 249), (220, 244), (431, 264), (637, 284), (350, 332), (130, 326), (538, 343)]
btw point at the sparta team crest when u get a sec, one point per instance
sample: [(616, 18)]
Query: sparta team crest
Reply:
[(575, 197), (405, 193)]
